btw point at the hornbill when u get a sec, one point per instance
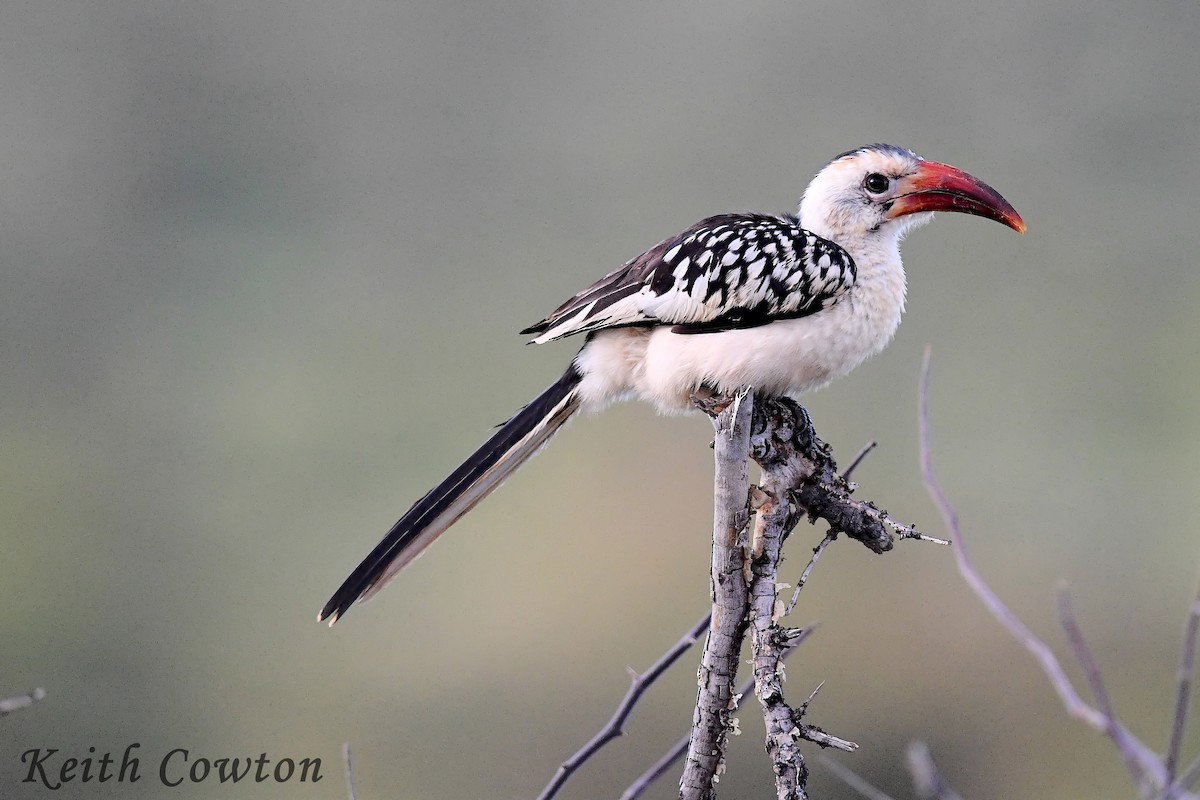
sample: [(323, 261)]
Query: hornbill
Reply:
[(783, 304)]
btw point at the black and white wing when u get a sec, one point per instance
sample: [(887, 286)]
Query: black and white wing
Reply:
[(724, 272)]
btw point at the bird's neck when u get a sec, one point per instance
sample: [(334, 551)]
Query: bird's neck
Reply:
[(880, 285)]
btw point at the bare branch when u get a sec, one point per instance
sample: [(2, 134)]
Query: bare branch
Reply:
[(11, 704), (1183, 691), (811, 733), (927, 780), (797, 468), (349, 771), (812, 562), (1192, 774), (1148, 765), (1091, 670), (616, 725), (859, 458), (657, 769), (852, 779), (803, 709), (1185, 781), (729, 591)]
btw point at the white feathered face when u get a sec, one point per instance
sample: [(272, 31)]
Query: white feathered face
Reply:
[(882, 191)]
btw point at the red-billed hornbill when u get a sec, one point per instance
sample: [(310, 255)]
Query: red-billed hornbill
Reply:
[(783, 304)]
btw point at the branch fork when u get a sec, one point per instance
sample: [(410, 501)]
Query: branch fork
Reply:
[(799, 479)]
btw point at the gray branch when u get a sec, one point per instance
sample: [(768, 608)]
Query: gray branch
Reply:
[(1148, 770), (1183, 687), (729, 591), (349, 769)]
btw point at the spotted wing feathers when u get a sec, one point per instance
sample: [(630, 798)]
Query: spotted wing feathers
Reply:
[(728, 271)]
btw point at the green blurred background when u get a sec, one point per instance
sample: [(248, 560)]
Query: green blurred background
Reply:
[(261, 269)]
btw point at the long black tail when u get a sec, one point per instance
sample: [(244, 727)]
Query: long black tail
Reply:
[(511, 446)]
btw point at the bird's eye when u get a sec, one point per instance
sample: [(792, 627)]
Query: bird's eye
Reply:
[(876, 183)]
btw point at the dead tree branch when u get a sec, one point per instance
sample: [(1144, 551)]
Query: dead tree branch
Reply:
[(729, 593), (800, 479), (1149, 771), (767, 638)]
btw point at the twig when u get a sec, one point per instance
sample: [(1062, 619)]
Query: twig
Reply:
[(1091, 672), (803, 709), (1192, 773), (11, 704), (927, 780), (858, 459), (1133, 751), (657, 769), (812, 562), (1185, 781), (853, 779), (718, 666), (1183, 691), (616, 725), (349, 771)]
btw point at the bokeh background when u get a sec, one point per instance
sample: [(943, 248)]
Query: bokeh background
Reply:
[(261, 272)]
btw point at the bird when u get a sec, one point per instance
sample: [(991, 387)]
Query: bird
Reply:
[(780, 303)]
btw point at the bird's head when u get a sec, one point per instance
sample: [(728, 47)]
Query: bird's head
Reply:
[(880, 191)]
